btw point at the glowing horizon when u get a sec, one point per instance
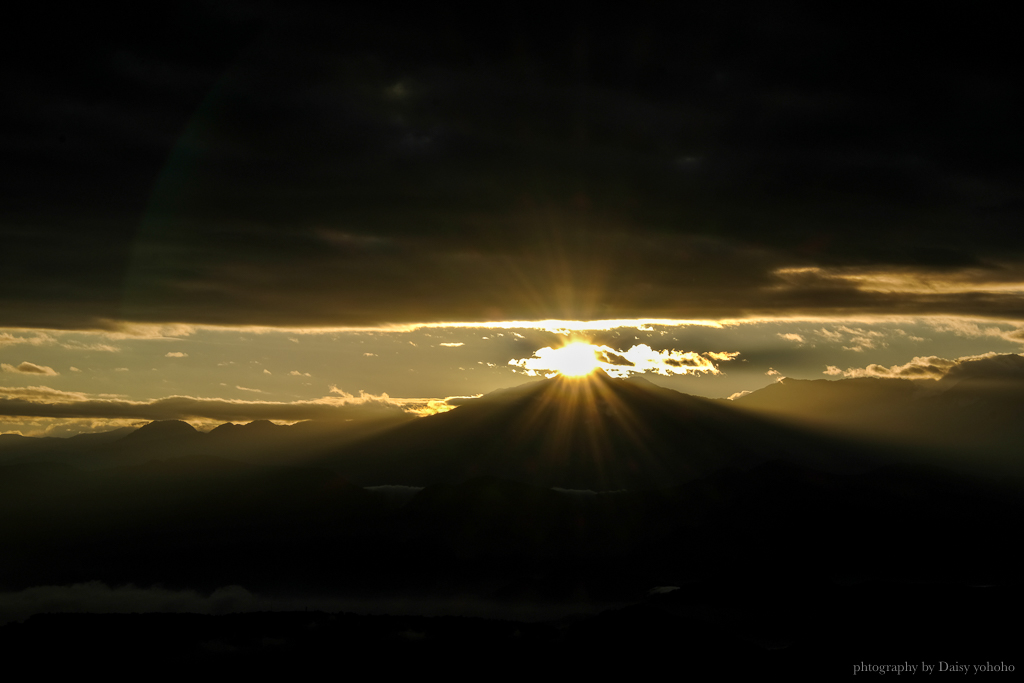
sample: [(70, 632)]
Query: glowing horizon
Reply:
[(68, 382)]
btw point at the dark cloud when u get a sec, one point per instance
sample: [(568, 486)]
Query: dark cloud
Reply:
[(616, 359), (990, 367), (304, 165)]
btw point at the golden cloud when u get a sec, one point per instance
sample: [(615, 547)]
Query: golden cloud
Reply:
[(1005, 279), (44, 402), (28, 369), (919, 368)]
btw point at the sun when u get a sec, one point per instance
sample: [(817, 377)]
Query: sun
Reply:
[(574, 360)]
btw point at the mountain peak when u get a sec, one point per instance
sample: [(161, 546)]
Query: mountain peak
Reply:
[(594, 432), (224, 428), (260, 426), (162, 429)]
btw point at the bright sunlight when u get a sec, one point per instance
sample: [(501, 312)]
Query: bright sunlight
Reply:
[(579, 359), (573, 360)]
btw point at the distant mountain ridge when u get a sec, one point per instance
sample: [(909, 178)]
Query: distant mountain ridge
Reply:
[(606, 434), (597, 433), (258, 442), (974, 410)]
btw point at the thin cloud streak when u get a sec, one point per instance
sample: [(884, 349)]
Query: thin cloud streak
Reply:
[(940, 321), (1007, 279), (53, 403)]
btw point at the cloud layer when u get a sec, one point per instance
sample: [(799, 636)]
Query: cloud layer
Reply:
[(39, 401), (306, 166), (922, 367)]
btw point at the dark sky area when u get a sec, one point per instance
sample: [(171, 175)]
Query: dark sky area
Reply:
[(285, 164)]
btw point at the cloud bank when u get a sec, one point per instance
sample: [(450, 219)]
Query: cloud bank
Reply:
[(483, 189), (40, 401), (921, 367), (638, 359)]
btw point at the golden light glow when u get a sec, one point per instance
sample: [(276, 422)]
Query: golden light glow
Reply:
[(580, 359), (574, 360), (1006, 280), (116, 330)]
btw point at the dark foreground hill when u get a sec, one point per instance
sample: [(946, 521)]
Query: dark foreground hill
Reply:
[(189, 524), (598, 489), (557, 497)]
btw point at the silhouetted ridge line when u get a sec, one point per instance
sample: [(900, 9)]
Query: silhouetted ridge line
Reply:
[(596, 433)]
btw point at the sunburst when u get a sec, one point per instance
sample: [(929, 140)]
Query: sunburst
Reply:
[(574, 360)]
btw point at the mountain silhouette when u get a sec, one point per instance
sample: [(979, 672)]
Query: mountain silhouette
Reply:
[(594, 433), (606, 434), (968, 420), (573, 496), (260, 442), (160, 431)]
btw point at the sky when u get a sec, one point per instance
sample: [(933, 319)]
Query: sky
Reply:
[(233, 211)]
